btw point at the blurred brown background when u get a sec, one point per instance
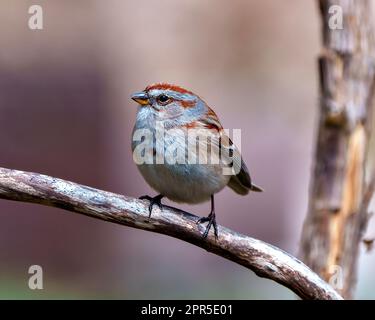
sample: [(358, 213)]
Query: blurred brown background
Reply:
[(65, 111)]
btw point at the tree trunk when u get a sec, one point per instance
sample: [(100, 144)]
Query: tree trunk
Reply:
[(337, 215)]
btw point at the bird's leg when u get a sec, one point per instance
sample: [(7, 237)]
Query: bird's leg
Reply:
[(153, 200), (211, 218)]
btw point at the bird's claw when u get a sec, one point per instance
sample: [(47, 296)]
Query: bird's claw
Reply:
[(211, 219), (153, 200)]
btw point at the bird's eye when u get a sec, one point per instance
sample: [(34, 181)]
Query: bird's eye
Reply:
[(163, 99)]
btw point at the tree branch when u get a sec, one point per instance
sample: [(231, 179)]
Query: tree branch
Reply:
[(265, 260)]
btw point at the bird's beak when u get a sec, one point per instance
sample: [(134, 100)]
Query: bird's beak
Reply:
[(141, 98)]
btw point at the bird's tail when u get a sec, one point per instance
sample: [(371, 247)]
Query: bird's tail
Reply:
[(240, 188), (256, 188)]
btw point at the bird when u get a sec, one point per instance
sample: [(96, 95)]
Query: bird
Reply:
[(166, 112)]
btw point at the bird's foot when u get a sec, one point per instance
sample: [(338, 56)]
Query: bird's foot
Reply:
[(211, 219), (153, 200)]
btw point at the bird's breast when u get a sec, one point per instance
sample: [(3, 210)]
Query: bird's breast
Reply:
[(176, 166)]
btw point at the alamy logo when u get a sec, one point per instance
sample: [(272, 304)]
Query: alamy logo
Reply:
[(36, 19), (188, 146), (336, 278), (335, 20), (36, 280)]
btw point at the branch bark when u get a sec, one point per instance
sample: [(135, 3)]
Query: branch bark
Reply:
[(337, 216), (265, 260)]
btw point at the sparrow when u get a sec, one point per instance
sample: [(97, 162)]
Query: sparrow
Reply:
[(176, 112)]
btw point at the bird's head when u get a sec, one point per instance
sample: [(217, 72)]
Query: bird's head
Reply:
[(171, 103)]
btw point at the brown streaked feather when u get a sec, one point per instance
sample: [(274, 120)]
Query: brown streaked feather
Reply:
[(240, 183), (167, 86), (211, 121), (188, 104)]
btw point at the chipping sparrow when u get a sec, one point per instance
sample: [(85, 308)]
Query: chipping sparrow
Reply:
[(178, 111)]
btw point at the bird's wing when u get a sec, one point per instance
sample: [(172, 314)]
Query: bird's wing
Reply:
[(240, 181)]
